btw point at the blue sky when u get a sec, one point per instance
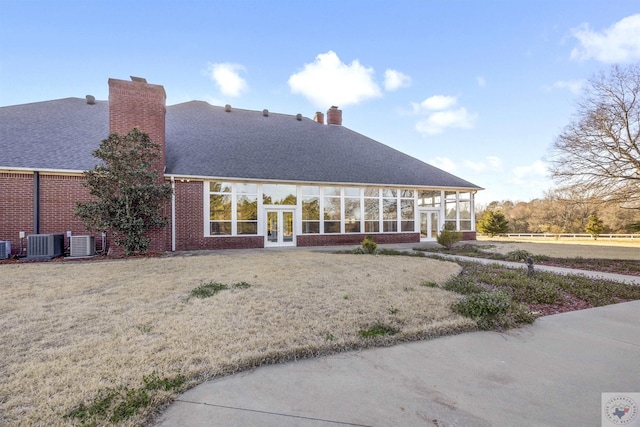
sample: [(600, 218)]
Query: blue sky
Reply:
[(479, 88)]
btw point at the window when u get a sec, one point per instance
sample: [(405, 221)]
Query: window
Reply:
[(279, 194), (389, 213), (429, 198), (220, 208), (407, 214), (310, 209), (332, 210), (371, 210), (458, 210), (352, 210), (247, 208), (464, 209)]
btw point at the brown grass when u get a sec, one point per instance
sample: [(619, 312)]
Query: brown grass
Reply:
[(568, 248), (69, 330)]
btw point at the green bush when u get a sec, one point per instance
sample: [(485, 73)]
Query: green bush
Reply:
[(493, 310), (484, 304), (519, 255), (449, 237), (369, 245)]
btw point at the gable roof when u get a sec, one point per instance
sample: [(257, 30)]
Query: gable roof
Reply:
[(206, 141)]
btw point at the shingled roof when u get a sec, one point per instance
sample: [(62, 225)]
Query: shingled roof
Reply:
[(206, 141)]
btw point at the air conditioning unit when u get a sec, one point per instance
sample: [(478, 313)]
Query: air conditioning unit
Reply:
[(5, 249), (45, 246), (82, 245)]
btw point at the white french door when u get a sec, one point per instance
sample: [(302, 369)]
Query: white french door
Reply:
[(429, 225), (279, 227)]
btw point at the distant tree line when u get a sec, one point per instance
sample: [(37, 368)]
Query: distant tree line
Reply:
[(561, 212)]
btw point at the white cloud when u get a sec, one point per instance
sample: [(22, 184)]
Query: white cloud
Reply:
[(444, 163), (489, 164), (441, 115), (328, 81), (436, 123), (618, 43), (529, 172), (394, 80), (482, 82), (574, 86), (435, 103), (227, 77)]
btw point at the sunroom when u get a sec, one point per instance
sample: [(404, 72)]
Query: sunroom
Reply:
[(287, 214)]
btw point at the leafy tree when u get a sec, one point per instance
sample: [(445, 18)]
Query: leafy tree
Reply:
[(129, 196), (598, 153), (493, 223), (595, 226)]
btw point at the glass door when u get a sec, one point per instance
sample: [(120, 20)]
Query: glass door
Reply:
[(429, 225), (279, 228), (434, 224)]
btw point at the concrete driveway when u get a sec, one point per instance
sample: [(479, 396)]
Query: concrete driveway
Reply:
[(551, 373)]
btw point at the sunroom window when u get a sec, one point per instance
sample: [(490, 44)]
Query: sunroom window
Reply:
[(220, 208)]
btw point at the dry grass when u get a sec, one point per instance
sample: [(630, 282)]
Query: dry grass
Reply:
[(568, 248), (71, 329)]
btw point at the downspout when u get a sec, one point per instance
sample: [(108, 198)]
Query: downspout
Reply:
[(173, 214), (36, 202)]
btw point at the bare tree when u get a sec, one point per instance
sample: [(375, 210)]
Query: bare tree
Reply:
[(598, 153)]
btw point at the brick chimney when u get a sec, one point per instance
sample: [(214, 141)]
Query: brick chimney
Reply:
[(319, 117), (137, 103), (334, 116)]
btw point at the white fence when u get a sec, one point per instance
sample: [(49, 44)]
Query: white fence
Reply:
[(572, 236)]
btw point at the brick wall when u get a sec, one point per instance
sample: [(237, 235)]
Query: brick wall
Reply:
[(351, 239), (190, 223), (468, 235), (16, 207), (58, 197)]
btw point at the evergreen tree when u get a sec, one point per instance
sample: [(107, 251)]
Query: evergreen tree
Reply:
[(595, 226), (493, 223), (129, 195)]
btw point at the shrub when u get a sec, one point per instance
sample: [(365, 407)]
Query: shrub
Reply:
[(519, 255), (449, 237), (484, 304), (369, 245)]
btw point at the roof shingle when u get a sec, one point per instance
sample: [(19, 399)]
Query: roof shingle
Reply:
[(204, 140)]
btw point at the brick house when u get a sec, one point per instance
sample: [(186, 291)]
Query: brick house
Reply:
[(241, 179)]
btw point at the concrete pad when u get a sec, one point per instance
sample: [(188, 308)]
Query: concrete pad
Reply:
[(548, 374)]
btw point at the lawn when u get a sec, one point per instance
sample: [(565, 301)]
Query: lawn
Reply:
[(98, 342), (104, 342)]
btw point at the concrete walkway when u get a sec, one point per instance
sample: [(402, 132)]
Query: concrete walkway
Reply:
[(551, 373)]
